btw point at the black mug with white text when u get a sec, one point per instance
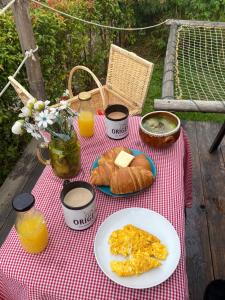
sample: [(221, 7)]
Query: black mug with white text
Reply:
[(78, 203), (116, 121)]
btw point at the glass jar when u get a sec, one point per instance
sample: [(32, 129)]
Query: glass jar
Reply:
[(86, 115), (30, 224), (64, 155)]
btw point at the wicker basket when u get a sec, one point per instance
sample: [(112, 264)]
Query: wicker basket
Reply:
[(127, 82)]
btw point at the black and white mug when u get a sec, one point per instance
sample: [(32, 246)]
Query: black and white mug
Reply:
[(116, 121), (78, 203)]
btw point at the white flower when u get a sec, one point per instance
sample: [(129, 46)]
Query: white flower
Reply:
[(18, 127), (30, 103), (47, 102), (63, 105), (39, 105), (33, 130), (66, 93), (26, 112), (54, 111), (45, 118), (32, 100)]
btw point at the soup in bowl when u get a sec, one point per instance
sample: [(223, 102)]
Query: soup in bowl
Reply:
[(159, 129)]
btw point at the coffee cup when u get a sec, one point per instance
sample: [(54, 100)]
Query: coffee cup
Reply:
[(116, 121), (78, 203)]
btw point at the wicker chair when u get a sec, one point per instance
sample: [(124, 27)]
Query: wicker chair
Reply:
[(127, 82)]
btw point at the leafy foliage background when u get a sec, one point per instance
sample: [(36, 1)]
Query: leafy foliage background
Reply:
[(63, 43)]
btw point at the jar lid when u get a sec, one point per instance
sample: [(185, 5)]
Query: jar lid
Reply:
[(23, 202), (84, 96)]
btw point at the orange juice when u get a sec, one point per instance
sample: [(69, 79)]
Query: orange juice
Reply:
[(86, 123), (32, 232)]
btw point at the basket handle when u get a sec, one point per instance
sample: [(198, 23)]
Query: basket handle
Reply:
[(93, 76)]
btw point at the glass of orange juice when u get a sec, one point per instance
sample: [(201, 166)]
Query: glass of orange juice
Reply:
[(86, 115), (30, 224)]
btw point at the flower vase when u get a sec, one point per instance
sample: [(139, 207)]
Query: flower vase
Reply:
[(64, 156)]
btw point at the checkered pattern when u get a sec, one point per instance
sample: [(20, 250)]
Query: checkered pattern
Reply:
[(67, 268)]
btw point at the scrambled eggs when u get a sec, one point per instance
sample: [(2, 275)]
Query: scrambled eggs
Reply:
[(141, 249)]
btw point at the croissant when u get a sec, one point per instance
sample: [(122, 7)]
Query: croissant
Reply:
[(130, 179), (102, 174), (141, 161), (111, 155)]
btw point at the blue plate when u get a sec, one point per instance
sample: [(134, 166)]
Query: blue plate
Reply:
[(106, 189)]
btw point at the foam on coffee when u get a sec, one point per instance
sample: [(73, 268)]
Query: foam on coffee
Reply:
[(78, 197), (116, 115)]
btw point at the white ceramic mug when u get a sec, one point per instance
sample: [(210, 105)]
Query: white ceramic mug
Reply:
[(78, 217)]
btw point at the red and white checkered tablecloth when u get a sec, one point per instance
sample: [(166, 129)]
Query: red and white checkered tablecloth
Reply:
[(67, 269)]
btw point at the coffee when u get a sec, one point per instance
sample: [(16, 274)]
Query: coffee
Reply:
[(116, 121), (78, 197), (116, 115), (78, 203)]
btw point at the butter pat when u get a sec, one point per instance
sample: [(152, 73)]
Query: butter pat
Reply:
[(123, 159)]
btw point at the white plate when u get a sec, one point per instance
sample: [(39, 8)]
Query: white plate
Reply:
[(153, 223)]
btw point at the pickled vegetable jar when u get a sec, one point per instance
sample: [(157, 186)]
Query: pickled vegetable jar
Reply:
[(64, 155)]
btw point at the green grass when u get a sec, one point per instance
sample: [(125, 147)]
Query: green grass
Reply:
[(154, 87), (146, 47)]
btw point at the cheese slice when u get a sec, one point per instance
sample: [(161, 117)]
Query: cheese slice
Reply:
[(123, 159)]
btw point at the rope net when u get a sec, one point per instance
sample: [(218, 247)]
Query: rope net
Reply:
[(200, 63)]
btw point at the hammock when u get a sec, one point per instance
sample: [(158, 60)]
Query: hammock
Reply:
[(194, 70)]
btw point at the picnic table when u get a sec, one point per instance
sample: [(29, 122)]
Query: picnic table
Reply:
[(67, 269)]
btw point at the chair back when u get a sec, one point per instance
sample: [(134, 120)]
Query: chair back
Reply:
[(128, 75)]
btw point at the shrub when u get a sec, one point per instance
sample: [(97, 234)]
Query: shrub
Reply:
[(63, 43), (10, 58)]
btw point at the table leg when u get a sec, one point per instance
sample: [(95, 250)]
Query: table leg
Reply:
[(218, 139)]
